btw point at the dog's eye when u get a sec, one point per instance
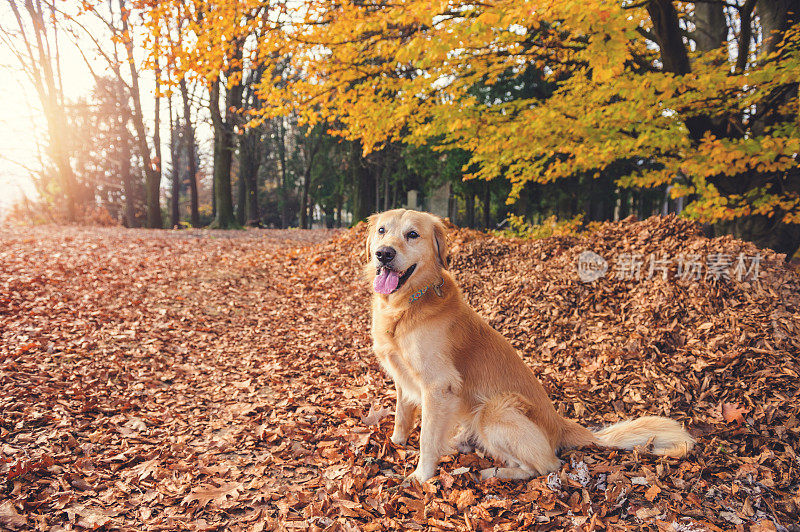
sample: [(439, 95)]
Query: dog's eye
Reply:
[(381, 230), (412, 234)]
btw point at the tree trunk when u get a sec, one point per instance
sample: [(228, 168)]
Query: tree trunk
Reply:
[(213, 197), (157, 119), (675, 57), (711, 28), (304, 197), (363, 185), (253, 211), (664, 17), (127, 177), (174, 155), (249, 164), (776, 17), (385, 192), (223, 161), (310, 153), (152, 171), (487, 205), (378, 187), (190, 148), (469, 205), (241, 193), (124, 163), (764, 232), (283, 189)]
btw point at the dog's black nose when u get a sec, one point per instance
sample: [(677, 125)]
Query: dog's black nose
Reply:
[(385, 254)]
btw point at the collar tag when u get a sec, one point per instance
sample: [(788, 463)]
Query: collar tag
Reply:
[(438, 288)]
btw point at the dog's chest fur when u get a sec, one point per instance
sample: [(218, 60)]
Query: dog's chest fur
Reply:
[(414, 356)]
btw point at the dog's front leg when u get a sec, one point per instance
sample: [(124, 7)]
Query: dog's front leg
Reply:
[(439, 406), (403, 417)]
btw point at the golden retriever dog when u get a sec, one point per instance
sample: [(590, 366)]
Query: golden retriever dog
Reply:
[(469, 383)]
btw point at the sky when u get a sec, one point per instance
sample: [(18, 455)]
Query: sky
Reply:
[(21, 121)]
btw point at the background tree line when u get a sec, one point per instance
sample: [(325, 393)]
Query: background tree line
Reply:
[(321, 112)]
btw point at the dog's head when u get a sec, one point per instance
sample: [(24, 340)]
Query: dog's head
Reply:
[(406, 250)]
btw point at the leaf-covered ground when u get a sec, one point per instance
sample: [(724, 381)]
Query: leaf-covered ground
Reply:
[(224, 381)]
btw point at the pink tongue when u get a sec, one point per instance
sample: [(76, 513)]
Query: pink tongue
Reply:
[(386, 281)]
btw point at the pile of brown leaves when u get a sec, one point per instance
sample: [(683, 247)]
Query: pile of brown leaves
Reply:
[(210, 381)]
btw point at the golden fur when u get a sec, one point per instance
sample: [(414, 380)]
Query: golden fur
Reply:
[(464, 376)]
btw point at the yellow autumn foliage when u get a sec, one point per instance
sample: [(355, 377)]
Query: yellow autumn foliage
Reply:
[(407, 71)]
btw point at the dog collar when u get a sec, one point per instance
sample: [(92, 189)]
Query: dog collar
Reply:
[(421, 292)]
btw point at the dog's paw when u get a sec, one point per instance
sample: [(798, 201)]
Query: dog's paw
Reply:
[(420, 475), (399, 439), (506, 473)]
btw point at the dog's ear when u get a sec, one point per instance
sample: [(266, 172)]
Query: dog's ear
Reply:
[(440, 242), (370, 232)]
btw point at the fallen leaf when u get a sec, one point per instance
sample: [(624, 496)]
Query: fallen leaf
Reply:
[(92, 518), (9, 516), (375, 415), (647, 513), (146, 469), (204, 495), (465, 499), (651, 493), (732, 412), (765, 525), (336, 471)]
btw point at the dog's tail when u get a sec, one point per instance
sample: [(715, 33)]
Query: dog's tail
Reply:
[(657, 435)]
